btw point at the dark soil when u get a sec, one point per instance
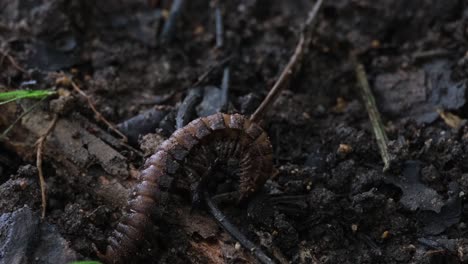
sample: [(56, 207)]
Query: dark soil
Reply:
[(328, 202)]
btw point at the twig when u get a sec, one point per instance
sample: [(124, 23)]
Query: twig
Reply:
[(374, 115), (40, 147), (168, 28), (187, 108), (99, 116), (219, 27), (219, 45), (429, 54), (233, 231), (225, 89), (27, 111), (288, 70), (142, 124)]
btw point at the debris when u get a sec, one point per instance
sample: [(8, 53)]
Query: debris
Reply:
[(186, 111), (25, 239), (142, 124), (340, 106), (450, 119), (75, 148), (214, 99), (150, 143), (416, 195), (417, 93), (344, 149), (450, 213), (385, 234)]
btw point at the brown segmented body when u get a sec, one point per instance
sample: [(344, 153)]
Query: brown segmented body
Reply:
[(190, 152)]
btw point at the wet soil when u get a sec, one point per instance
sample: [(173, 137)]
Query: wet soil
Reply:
[(329, 200)]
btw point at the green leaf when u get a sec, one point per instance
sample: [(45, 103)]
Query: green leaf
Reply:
[(7, 97)]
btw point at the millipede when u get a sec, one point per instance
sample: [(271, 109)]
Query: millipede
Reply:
[(191, 151)]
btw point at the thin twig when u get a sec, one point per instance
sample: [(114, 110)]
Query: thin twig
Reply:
[(429, 54), (374, 115), (225, 89), (285, 75), (219, 27), (99, 116), (40, 148), (27, 111), (233, 231)]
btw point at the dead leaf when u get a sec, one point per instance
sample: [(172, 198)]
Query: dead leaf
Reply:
[(450, 119)]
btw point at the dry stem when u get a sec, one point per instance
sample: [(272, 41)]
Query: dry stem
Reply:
[(99, 116), (285, 75), (40, 148), (374, 115)]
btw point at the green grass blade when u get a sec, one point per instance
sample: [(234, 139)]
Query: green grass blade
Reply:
[(7, 97)]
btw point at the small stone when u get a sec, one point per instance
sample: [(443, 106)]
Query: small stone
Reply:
[(344, 149), (385, 234)]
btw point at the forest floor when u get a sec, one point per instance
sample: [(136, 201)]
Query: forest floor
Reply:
[(329, 200)]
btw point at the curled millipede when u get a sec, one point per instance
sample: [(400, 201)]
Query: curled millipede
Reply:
[(186, 156)]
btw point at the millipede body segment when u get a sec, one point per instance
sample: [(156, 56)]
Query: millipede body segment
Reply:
[(219, 140)]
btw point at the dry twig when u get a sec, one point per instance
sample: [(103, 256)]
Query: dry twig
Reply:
[(374, 115), (285, 75), (40, 148), (99, 116)]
